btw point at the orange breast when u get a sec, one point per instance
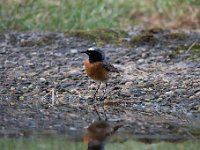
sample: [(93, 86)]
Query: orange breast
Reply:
[(96, 71)]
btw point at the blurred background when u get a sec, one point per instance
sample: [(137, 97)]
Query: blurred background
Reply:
[(64, 15)]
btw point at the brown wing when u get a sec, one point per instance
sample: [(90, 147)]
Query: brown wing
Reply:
[(109, 67)]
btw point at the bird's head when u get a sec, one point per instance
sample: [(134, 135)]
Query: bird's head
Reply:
[(95, 54)]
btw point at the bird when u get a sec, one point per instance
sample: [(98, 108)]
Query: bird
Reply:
[(98, 67), (97, 134)]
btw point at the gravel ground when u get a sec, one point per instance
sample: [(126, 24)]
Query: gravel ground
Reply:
[(156, 95)]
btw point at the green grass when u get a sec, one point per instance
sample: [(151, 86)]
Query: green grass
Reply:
[(39, 144), (63, 15), (63, 144)]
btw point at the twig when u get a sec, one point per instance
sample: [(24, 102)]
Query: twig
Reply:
[(191, 46), (52, 92), (53, 97)]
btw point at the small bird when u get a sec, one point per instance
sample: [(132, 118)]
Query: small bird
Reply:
[(97, 133), (98, 67)]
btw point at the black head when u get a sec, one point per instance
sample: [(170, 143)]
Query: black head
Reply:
[(95, 54)]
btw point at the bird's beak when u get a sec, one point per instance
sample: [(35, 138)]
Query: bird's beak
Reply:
[(84, 52)]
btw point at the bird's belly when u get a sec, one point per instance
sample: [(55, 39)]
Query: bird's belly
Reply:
[(96, 71)]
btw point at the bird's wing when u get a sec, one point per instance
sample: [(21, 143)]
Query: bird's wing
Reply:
[(110, 67)]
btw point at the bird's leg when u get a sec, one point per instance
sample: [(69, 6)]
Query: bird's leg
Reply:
[(104, 112), (104, 92), (94, 97), (104, 96), (96, 91), (97, 112)]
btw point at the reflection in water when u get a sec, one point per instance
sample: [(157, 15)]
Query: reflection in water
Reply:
[(97, 133)]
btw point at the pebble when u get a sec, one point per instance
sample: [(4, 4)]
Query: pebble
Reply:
[(42, 80), (192, 97), (21, 98), (169, 93), (58, 54), (160, 99), (148, 110), (72, 128), (12, 88), (31, 124), (197, 94), (73, 51), (128, 84), (34, 53), (92, 87), (180, 91), (144, 55), (65, 86), (191, 105), (140, 61), (31, 86), (24, 89), (198, 109)]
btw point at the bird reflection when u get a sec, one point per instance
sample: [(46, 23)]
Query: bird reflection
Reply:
[(97, 134)]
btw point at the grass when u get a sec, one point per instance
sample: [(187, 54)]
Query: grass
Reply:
[(39, 144), (64, 15), (63, 144), (100, 36)]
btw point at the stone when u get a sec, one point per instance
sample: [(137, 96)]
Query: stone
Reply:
[(73, 51), (140, 61), (169, 93), (42, 80)]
